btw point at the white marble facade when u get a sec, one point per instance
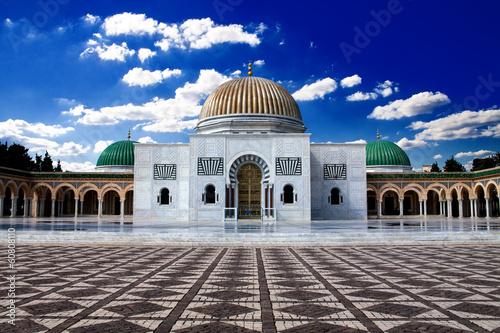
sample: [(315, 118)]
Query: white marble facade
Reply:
[(313, 170)]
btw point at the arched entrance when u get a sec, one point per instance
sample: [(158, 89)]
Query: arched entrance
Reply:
[(90, 203), (433, 203), (20, 202), (129, 203), (411, 205), (7, 204), (481, 202), (465, 203), (371, 201), (249, 177), (454, 203), (493, 201), (111, 203), (390, 204)]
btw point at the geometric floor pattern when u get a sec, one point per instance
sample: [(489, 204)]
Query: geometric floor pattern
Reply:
[(80, 289)]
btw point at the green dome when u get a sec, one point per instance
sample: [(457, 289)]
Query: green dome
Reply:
[(385, 153), (118, 153)]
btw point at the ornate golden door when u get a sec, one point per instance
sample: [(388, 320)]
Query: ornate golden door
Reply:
[(249, 191)]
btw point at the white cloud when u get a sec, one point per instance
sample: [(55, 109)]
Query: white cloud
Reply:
[(437, 156), (282, 42), (65, 101), (417, 104), (129, 24), (361, 96), (16, 128), (350, 81), (260, 28), (77, 110), (69, 148), (357, 141), (141, 77), (474, 153), (145, 54), (468, 166), (386, 88), (146, 139), (32, 136), (192, 33), (462, 125), (315, 90), (101, 145), (406, 144), (162, 115), (203, 34), (259, 62), (113, 52), (236, 73), (78, 167), (91, 19)]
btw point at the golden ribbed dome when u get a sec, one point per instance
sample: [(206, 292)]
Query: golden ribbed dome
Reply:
[(250, 95)]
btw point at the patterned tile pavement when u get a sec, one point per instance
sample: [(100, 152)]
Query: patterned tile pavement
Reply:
[(80, 289)]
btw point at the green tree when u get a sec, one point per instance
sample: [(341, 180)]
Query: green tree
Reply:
[(496, 157), (452, 165), (47, 164), (58, 167), (38, 163), (3, 154), (487, 162), (15, 156), (435, 167)]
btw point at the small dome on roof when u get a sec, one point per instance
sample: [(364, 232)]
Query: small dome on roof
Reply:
[(386, 156), (118, 154)]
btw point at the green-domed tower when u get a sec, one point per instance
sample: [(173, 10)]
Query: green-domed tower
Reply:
[(386, 156), (118, 157)]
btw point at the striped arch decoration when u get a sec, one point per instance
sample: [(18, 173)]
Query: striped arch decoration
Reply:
[(249, 158)]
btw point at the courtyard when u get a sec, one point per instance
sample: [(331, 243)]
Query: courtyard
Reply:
[(69, 287)]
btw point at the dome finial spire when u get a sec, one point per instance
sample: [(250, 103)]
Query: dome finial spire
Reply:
[(378, 135), (128, 136), (250, 68)]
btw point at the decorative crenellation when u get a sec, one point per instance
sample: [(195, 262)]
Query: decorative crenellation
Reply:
[(210, 166), (165, 172), (288, 166)]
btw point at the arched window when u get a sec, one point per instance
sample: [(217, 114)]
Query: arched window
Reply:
[(164, 196), (335, 197), (288, 194), (210, 194)]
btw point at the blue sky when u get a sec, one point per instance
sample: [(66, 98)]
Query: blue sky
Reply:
[(77, 75)]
